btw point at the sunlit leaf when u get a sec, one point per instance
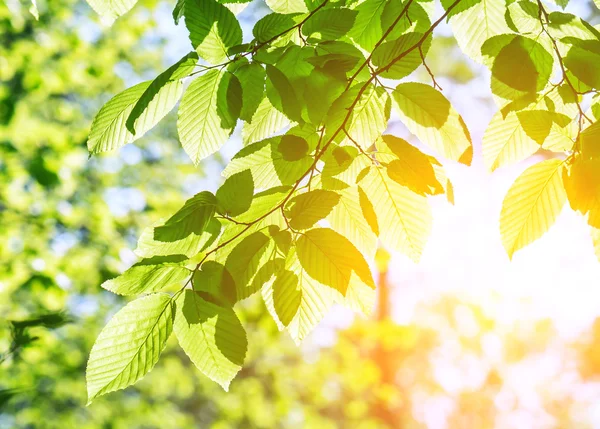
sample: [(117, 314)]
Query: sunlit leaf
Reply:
[(199, 122), (213, 29), (192, 218), (111, 9), (404, 217), (149, 275), (109, 130), (235, 195), (330, 258), (129, 345), (211, 336), (306, 209), (431, 117), (532, 205)]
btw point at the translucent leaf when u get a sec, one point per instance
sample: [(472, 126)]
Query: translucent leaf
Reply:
[(268, 163), (287, 6), (369, 116), (330, 258), (266, 121), (216, 280), (282, 94), (192, 218), (177, 71), (199, 122), (404, 217), (412, 169), (235, 195), (315, 302), (245, 259), (272, 25), (367, 30), (329, 24), (264, 202), (583, 60), (474, 25), (520, 65), (252, 80), (111, 9), (582, 184), (387, 53), (213, 29), (211, 336), (129, 345), (287, 297), (189, 246), (505, 142), (352, 218), (109, 129), (304, 210), (532, 205), (430, 116), (149, 275)]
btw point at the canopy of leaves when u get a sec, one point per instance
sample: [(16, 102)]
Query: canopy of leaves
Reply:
[(318, 185)]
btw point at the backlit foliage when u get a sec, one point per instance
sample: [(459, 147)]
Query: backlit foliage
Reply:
[(319, 181)]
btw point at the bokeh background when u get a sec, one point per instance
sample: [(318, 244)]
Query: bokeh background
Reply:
[(465, 339)]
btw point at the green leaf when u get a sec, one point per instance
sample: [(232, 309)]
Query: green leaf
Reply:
[(177, 71), (354, 219), (178, 11), (282, 94), (583, 61), (386, 54), (367, 30), (430, 116), (268, 163), (266, 121), (129, 345), (212, 337), (404, 218), (520, 65), (149, 275), (245, 259), (332, 260), (474, 25), (272, 25), (229, 100), (189, 246), (192, 218), (287, 6), (305, 210), (109, 129), (235, 195), (532, 205), (505, 142), (199, 122), (265, 202), (111, 9), (322, 87), (315, 302), (413, 169), (368, 117), (214, 279), (287, 297), (252, 80), (213, 29), (329, 24)]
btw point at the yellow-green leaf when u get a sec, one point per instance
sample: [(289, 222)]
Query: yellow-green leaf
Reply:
[(532, 205)]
